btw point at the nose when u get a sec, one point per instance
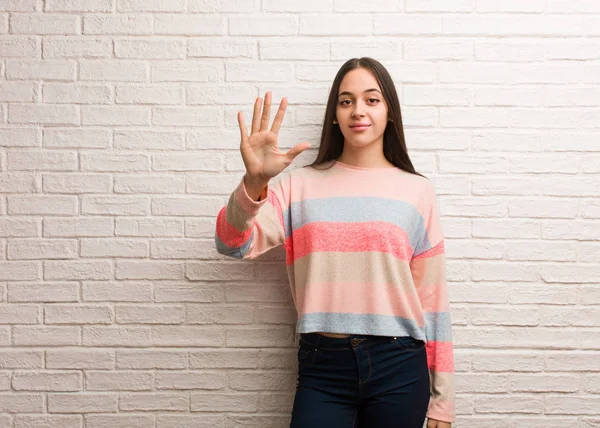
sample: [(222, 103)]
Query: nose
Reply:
[(358, 110)]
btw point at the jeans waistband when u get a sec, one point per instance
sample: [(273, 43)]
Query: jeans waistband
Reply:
[(317, 340)]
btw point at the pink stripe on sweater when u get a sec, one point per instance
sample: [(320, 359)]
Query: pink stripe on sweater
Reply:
[(228, 234), (439, 356), (350, 237), (381, 299)]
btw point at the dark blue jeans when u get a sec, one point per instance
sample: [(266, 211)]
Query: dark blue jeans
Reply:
[(361, 382)]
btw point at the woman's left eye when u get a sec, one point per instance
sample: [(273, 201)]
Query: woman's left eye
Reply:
[(373, 100)]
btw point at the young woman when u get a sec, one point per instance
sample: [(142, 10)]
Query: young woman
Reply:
[(365, 258)]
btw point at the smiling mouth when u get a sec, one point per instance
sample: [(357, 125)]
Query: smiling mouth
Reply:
[(360, 126)]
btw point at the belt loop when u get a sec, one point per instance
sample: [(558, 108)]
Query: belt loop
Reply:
[(318, 341)]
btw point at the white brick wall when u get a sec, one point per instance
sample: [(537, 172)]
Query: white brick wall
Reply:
[(118, 146)]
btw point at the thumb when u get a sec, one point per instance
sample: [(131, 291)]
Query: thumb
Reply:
[(296, 150)]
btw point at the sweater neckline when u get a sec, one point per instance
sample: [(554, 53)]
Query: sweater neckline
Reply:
[(362, 168)]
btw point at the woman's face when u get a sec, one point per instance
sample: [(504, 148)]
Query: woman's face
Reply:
[(361, 110)]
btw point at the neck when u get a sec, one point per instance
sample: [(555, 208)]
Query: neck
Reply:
[(370, 156)]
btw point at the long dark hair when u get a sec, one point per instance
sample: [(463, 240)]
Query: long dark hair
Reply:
[(394, 144)]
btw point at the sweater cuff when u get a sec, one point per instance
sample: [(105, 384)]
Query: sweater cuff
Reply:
[(246, 202)]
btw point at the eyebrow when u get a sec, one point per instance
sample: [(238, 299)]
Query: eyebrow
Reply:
[(368, 90)]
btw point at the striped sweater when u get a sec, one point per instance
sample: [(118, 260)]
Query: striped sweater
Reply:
[(364, 255)]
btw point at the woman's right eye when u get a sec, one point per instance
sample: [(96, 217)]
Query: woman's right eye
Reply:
[(344, 101)]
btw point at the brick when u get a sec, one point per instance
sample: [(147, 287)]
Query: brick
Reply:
[(113, 70), (150, 6), (426, 50), (138, 314), (122, 291), (149, 227), (44, 24), (20, 137), (78, 314), (218, 94), (118, 421), (78, 227), (224, 359), (115, 205), (150, 184), (188, 116), (43, 292), (189, 206), (213, 6), (118, 381), (43, 114), (328, 25), (16, 92), (77, 138), (18, 6), (77, 270), (223, 402), (354, 5), (19, 271), (167, 401), (47, 421), (31, 249), (262, 381), (187, 71), (116, 336), (21, 403), (295, 7), (150, 94), (149, 140), (250, 337), (82, 403), (180, 249), (47, 381), (190, 380), (125, 24), (207, 270), (300, 49), (191, 336), (149, 270), (261, 72), (150, 49), (218, 314), (78, 358), (151, 359), (121, 115), (199, 161), (438, 6), (187, 292), (46, 336), (276, 25), (77, 47), (47, 69), (125, 248), (198, 420), (21, 359), (341, 50), (199, 228), (42, 160), (76, 94), (21, 228), (215, 47), (17, 182), (79, 5), (42, 205), (117, 162), (5, 339), (20, 47), (189, 25), (76, 183)]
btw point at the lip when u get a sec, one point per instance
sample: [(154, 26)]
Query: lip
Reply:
[(360, 127)]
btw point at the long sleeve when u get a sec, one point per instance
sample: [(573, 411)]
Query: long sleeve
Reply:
[(428, 268), (246, 228)]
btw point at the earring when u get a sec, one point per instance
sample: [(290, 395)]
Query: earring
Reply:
[(335, 122), (390, 120)]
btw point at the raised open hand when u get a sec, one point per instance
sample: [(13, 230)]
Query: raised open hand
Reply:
[(260, 152)]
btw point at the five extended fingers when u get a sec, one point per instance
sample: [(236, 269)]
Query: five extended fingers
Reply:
[(261, 122)]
